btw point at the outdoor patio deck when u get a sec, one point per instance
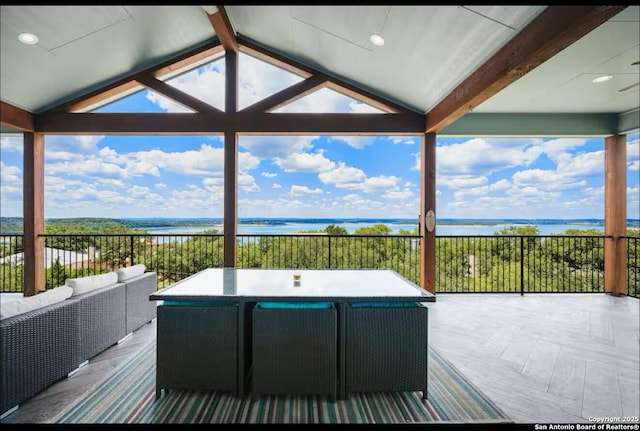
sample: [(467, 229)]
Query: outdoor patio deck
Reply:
[(542, 358)]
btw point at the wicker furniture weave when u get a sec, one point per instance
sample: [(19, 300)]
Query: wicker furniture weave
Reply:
[(100, 321), (385, 349), (197, 347), (294, 351), (44, 345), (139, 309), (38, 348)]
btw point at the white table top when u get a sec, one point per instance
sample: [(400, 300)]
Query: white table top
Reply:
[(233, 284)]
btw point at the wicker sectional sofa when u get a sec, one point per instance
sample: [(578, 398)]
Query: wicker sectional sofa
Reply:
[(44, 345)]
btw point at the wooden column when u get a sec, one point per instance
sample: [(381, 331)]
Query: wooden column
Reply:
[(615, 215), (33, 213), (230, 163), (428, 212)]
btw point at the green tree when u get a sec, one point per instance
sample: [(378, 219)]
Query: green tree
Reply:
[(336, 230), (56, 275)]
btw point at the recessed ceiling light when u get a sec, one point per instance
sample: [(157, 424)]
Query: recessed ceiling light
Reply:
[(28, 38), (602, 78), (376, 39)]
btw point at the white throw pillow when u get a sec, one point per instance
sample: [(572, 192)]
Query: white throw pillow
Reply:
[(130, 272), (87, 284), (30, 303)]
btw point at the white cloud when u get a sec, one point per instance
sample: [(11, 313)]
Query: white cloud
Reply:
[(379, 184), (406, 140), (207, 83), (581, 165), (269, 174), (358, 107), (207, 160), (305, 162), (7, 190), (399, 194), (110, 182), (303, 190), (166, 104), (481, 156), (160, 186), (546, 179), (11, 143), (328, 101), (357, 142), (10, 173), (270, 146), (259, 79), (633, 155), (247, 183), (276, 186), (86, 144), (556, 148), (88, 168), (343, 176), (461, 181)]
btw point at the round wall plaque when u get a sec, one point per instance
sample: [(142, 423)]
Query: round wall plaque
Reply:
[(430, 220)]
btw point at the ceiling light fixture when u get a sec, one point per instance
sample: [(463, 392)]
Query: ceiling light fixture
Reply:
[(376, 39), (28, 38), (603, 78)]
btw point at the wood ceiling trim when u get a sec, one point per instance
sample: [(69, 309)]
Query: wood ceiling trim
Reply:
[(224, 30), (554, 29), (16, 118), (175, 94), (240, 122), (288, 95), (127, 83), (335, 83)]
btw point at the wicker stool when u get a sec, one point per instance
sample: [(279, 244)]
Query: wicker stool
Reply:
[(294, 349), (385, 347), (197, 346)]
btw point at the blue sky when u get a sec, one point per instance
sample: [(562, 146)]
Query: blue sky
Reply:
[(308, 176)]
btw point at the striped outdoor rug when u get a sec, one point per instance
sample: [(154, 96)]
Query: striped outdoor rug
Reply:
[(128, 396)]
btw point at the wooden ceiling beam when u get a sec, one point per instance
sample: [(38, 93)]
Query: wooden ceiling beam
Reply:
[(337, 84), (553, 30), (288, 95), (16, 118), (224, 30), (128, 83), (175, 94), (240, 122)]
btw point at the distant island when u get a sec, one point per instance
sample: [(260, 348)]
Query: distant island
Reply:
[(13, 225)]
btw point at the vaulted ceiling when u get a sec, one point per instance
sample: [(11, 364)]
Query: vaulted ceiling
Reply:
[(471, 70)]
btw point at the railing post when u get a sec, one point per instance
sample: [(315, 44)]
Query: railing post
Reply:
[(521, 265), (131, 238), (329, 250)]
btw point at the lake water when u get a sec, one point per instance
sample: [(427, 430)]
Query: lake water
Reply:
[(441, 229)]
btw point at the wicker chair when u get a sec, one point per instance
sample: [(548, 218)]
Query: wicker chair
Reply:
[(385, 348), (295, 351), (197, 347)]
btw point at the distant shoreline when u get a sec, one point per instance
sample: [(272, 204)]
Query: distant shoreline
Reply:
[(9, 225)]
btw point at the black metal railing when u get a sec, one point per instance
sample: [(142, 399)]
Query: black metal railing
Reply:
[(492, 264)]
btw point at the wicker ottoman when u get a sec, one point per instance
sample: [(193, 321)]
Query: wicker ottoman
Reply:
[(294, 350), (197, 347), (385, 347)]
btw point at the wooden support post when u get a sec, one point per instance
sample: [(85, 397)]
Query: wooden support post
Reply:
[(428, 212), (33, 213), (615, 215), (230, 164)]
